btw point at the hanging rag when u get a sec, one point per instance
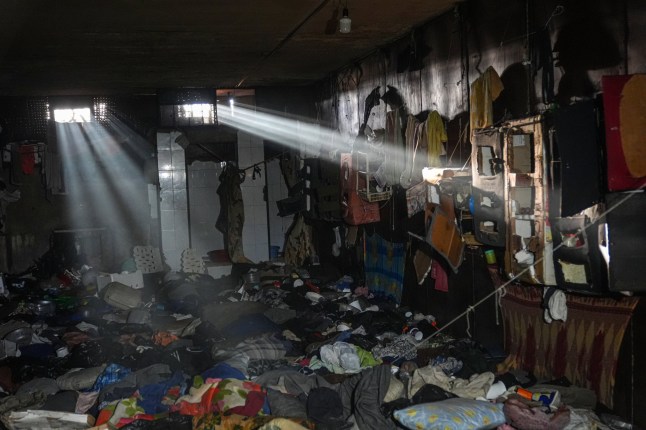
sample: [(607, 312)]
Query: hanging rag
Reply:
[(298, 243), (414, 138), (384, 266), (394, 164), (231, 219), (555, 304), (439, 274), (484, 91), (436, 134), (27, 158)]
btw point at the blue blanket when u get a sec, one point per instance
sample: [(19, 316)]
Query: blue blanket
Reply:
[(384, 264)]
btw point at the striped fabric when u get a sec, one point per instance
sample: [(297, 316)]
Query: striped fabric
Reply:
[(584, 349)]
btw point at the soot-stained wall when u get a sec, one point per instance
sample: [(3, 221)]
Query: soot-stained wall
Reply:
[(546, 53), (433, 68)]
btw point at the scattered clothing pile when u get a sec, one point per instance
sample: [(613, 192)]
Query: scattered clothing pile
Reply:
[(281, 349)]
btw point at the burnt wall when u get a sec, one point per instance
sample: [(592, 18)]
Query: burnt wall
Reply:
[(547, 54)]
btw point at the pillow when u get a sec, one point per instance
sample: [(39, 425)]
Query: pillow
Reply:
[(452, 414)]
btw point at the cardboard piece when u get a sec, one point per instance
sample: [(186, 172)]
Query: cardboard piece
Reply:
[(443, 235)]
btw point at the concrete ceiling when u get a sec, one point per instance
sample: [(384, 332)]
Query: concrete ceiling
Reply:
[(134, 46)]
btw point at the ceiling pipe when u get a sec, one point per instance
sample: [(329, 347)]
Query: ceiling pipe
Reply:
[(283, 41)]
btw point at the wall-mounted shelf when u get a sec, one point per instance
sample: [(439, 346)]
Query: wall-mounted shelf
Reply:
[(367, 185)]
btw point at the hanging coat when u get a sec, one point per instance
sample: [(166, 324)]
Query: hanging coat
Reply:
[(231, 219)]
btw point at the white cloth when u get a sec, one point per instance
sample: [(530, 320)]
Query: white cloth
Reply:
[(476, 386), (341, 357), (556, 307), (496, 390)]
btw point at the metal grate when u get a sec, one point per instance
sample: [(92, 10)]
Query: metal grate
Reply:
[(187, 115), (102, 107), (187, 107), (186, 96), (137, 112), (24, 118)]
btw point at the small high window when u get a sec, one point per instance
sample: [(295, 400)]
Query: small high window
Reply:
[(73, 115), (188, 114)]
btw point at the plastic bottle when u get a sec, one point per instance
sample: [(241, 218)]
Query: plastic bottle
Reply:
[(545, 398)]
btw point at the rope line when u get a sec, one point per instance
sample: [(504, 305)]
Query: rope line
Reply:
[(500, 289)]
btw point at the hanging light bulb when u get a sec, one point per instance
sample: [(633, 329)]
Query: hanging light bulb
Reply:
[(345, 23)]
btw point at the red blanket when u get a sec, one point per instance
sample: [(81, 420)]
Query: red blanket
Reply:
[(584, 349)]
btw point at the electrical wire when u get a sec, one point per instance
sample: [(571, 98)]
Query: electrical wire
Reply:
[(501, 288), (558, 10), (282, 42), (461, 139), (266, 160)]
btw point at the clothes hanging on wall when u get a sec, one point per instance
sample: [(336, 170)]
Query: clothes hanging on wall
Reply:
[(424, 146), (484, 91), (231, 219), (394, 146), (24, 157), (441, 278), (384, 266), (436, 134), (413, 130), (298, 242), (28, 158)]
